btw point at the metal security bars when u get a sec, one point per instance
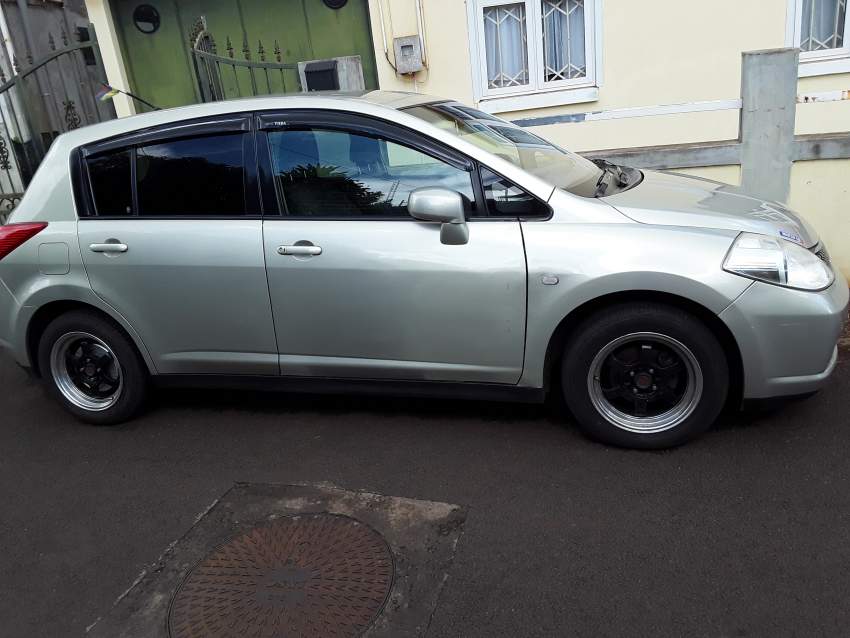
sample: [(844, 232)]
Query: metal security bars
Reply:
[(506, 45), (564, 48), (221, 77), (41, 98), (521, 48), (823, 24)]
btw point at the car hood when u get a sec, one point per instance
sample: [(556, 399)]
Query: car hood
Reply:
[(671, 199)]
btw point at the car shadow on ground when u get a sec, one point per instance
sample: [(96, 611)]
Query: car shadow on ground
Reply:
[(336, 404), (551, 414)]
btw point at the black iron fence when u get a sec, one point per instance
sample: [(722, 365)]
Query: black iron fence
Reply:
[(222, 77), (41, 98)]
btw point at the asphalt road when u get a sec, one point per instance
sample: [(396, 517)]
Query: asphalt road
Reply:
[(745, 532)]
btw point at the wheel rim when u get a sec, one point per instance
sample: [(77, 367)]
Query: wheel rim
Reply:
[(645, 382), (86, 371)]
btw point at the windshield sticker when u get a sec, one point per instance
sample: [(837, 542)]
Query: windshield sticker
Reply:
[(791, 236)]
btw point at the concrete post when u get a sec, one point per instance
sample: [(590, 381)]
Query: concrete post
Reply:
[(101, 16), (769, 96)]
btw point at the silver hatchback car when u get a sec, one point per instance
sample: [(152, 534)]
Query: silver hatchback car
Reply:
[(395, 243)]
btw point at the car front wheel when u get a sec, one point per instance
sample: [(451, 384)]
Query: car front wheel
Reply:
[(644, 375), (90, 365)]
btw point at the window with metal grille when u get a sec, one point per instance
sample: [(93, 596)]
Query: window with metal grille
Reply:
[(822, 24), (820, 29), (529, 46)]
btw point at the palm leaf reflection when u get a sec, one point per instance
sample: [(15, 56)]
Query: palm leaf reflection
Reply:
[(327, 190)]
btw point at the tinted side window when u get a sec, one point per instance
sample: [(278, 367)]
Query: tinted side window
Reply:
[(506, 199), (329, 173), (195, 176), (111, 183)]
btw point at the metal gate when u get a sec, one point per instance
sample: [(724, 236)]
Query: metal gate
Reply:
[(42, 98), (221, 77)]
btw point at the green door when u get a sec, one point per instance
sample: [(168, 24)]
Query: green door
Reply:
[(155, 39)]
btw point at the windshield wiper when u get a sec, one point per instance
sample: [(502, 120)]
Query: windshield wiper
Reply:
[(601, 185), (620, 176)]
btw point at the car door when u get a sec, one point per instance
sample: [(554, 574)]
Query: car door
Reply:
[(171, 237), (359, 288)]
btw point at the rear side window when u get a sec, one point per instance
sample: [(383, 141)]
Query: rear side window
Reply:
[(342, 174), (196, 176), (111, 183), (199, 176)]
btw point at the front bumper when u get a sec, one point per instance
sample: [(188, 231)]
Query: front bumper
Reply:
[(787, 338)]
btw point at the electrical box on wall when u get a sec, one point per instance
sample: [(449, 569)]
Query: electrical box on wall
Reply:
[(408, 54)]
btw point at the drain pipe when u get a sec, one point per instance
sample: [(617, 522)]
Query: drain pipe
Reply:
[(383, 34), (420, 29)]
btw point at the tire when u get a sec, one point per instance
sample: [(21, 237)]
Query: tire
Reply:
[(111, 385), (644, 375)]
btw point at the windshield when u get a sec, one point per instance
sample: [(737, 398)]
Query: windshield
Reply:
[(528, 151)]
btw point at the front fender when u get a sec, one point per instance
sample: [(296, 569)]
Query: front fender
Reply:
[(593, 261)]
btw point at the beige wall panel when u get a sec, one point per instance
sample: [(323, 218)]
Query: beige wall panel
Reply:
[(447, 46), (642, 131), (820, 190)]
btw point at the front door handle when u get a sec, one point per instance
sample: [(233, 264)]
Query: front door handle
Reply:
[(300, 250), (109, 247)]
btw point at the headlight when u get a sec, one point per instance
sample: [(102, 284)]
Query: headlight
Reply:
[(777, 261)]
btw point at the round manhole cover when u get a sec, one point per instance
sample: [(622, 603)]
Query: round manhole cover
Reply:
[(314, 575)]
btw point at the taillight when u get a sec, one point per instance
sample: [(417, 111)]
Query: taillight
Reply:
[(13, 235)]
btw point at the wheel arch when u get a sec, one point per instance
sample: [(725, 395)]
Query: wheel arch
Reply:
[(558, 340), (48, 312)]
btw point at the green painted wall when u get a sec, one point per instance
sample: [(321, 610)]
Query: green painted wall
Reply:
[(160, 66)]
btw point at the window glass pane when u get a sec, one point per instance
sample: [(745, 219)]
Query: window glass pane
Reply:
[(564, 50), (504, 198), (505, 42), (323, 173), (197, 176), (111, 183), (823, 23)]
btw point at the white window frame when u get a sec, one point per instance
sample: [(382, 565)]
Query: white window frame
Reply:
[(537, 93), (823, 62)]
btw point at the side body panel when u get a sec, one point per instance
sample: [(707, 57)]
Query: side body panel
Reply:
[(25, 288), (194, 289), (593, 260), (386, 299)]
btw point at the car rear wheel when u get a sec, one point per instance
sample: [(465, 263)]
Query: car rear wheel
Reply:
[(90, 365), (644, 375)]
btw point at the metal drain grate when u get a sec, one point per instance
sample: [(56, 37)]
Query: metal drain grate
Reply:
[(311, 575)]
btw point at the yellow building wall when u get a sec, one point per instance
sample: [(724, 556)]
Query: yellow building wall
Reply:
[(823, 117), (645, 63), (820, 190), (654, 52)]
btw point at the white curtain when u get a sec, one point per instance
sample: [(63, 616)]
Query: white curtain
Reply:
[(564, 47), (505, 41), (823, 24)]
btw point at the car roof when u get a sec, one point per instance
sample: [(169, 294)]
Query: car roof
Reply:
[(366, 102)]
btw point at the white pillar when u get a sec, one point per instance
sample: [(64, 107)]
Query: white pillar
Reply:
[(100, 15)]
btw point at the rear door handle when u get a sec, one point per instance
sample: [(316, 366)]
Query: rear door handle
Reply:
[(311, 251), (109, 247)]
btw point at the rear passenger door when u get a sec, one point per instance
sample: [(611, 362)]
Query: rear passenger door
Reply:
[(171, 236)]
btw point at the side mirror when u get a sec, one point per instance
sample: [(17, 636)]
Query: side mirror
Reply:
[(443, 206)]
